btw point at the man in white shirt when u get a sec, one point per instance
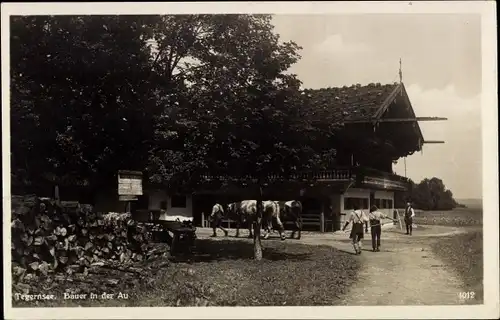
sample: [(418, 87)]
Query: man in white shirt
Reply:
[(376, 217), (409, 214), (358, 218), (216, 217)]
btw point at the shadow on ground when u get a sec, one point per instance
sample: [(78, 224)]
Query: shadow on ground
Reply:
[(208, 250)]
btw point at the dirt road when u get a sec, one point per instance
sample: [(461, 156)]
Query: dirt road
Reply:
[(404, 272)]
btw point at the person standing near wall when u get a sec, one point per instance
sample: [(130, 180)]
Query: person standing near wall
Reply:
[(375, 218), (409, 214), (358, 218)]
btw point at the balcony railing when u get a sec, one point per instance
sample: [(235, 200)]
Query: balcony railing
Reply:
[(341, 174), (380, 179), (362, 175)]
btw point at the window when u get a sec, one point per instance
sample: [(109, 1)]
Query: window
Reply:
[(348, 203), (178, 201), (379, 203), (362, 203), (384, 203), (365, 203)]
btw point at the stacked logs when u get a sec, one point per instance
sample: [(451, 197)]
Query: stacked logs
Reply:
[(49, 237)]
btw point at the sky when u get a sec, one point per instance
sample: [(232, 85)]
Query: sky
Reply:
[(441, 66)]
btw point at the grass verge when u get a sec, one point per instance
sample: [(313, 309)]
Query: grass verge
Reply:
[(221, 273), (464, 254), (457, 217)]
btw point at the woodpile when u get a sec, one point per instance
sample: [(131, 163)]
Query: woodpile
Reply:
[(70, 238)]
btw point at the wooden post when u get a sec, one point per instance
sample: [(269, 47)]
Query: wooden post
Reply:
[(56, 195), (322, 217)]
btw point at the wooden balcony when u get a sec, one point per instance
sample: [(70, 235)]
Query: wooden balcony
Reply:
[(333, 175), (340, 174), (363, 176), (371, 178)]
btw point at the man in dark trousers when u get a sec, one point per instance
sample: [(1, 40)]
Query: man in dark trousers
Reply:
[(358, 218), (409, 214), (376, 217)]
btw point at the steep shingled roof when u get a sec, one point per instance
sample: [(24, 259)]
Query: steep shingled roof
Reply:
[(349, 103)]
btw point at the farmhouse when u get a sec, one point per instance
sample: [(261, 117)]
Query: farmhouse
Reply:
[(379, 127)]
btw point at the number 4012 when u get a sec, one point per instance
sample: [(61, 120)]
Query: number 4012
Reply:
[(468, 295)]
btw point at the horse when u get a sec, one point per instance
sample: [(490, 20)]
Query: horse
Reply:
[(292, 210), (272, 212), (246, 211), (243, 211)]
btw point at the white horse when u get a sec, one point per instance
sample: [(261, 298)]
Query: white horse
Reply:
[(272, 213)]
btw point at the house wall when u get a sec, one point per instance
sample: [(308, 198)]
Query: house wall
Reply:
[(335, 202), (156, 197), (385, 195), (383, 199), (356, 193)]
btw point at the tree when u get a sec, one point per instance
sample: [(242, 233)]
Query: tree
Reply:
[(429, 194), (81, 99), (238, 114), (182, 96)]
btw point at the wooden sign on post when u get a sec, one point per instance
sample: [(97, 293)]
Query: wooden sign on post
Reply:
[(129, 184), (128, 198)]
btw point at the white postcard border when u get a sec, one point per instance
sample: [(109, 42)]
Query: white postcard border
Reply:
[(489, 109)]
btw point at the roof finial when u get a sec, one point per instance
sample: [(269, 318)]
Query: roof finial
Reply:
[(400, 72)]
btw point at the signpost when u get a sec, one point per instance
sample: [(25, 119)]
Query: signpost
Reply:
[(129, 186)]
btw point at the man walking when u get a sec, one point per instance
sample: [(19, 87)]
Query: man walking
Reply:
[(409, 214), (357, 217), (375, 218), (216, 216)]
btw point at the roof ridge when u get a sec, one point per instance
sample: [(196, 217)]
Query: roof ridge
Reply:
[(388, 101), (357, 85)]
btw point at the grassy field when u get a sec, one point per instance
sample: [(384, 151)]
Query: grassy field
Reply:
[(222, 273), (463, 252), (455, 217)]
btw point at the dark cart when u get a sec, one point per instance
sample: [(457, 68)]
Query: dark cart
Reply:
[(180, 236)]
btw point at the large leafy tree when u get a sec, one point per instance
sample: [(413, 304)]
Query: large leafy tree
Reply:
[(181, 96), (81, 95), (428, 194), (238, 113)]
